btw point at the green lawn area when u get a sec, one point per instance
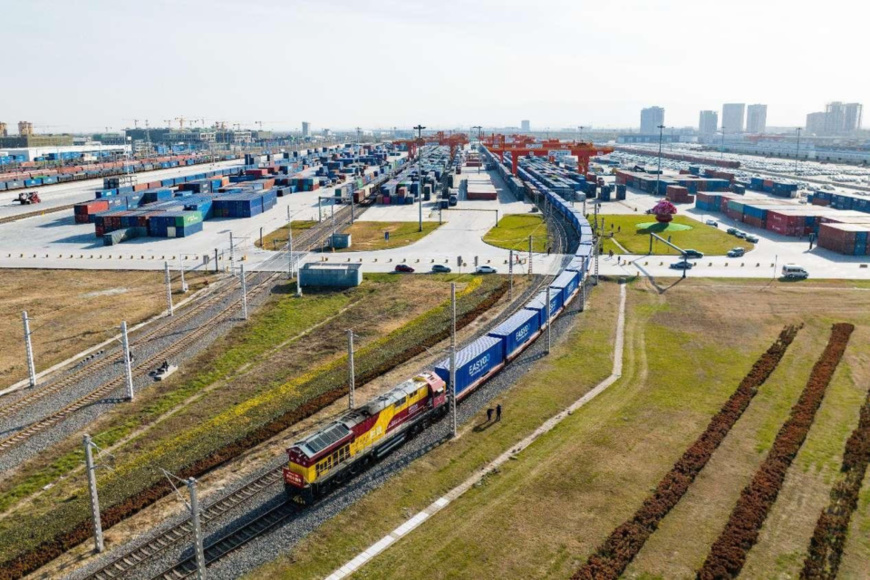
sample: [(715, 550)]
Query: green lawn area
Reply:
[(542, 514), (277, 240), (513, 231), (701, 237), (370, 235)]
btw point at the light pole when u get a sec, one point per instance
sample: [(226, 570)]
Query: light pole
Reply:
[(581, 127), (659, 174), (722, 148), (797, 151)]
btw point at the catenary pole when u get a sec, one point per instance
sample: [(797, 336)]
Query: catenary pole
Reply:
[(549, 319), (197, 529), (350, 371), (511, 276), (92, 490), (128, 367), (168, 287), (28, 347), (244, 294), (453, 359), (530, 256)]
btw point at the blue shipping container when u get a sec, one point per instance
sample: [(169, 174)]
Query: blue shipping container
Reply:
[(565, 284), (538, 305), (516, 331), (473, 363)]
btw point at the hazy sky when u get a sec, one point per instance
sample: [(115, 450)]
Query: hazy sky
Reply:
[(87, 64)]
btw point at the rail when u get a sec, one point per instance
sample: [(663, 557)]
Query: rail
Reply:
[(178, 346)]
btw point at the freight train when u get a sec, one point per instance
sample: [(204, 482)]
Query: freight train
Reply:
[(345, 446)]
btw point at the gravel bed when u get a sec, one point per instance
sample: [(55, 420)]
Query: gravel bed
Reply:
[(50, 403)]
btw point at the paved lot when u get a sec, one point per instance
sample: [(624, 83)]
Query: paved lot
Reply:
[(67, 193), (55, 241), (770, 252)]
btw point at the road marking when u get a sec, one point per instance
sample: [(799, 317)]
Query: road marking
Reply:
[(414, 522)]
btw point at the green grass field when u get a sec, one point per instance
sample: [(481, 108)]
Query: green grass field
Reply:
[(257, 372), (701, 237), (513, 231), (543, 514), (277, 240), (370, 235)]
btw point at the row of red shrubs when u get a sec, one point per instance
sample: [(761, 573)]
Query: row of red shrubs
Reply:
[(829, 537), (728, 554), (624, 543)]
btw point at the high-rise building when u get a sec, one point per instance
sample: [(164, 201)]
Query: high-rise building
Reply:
[(816, 123), (853, 119), (306, 129), (835, 118), (25, 128), (4, 132), (708, 123), (732, 117), (525, 126), (650, 119), (756, 118)]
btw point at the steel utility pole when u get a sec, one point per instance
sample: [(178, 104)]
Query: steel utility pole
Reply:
[(549, 319), (289, 247), (184, 287), (511, 276), (244, 294), (798, 151), (28, 347), (128, 367), (197, 529), (168, 286), (530, 256), (92, 489), (453, 359), (659, 174), (722, 149), (232, 255), (350, 372), (420, 208), (597, 251)]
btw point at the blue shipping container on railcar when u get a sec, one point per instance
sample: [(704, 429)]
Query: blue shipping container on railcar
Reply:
[(538, 305), (565, 284), (473, 363), (516, 331)]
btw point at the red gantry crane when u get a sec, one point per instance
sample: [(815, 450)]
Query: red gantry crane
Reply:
[(524, 145)]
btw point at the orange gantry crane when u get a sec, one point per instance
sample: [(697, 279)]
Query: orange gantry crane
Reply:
[(440, 138), (584, 151)]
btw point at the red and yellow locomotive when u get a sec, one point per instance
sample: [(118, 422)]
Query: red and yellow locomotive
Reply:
[(362, 435)]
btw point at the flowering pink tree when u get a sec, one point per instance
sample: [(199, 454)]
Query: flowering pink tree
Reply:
[(664, 211)]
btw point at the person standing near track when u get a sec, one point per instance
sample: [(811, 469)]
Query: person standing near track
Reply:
[(498, 412)]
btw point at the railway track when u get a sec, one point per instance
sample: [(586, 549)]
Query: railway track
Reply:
[(108, 387), (24, 216), (231, 541), (235, 539), (173, 536), (111, 358)]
